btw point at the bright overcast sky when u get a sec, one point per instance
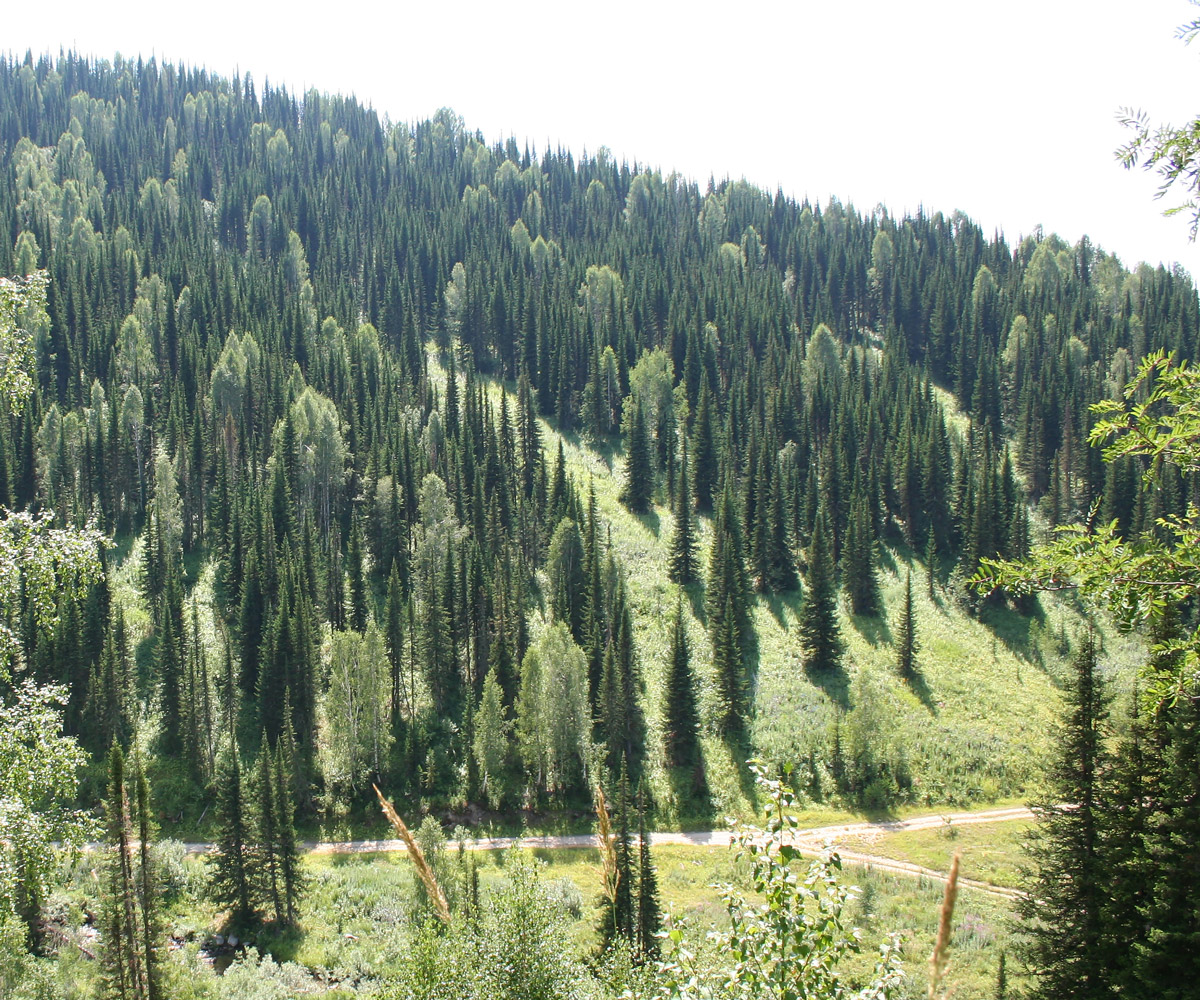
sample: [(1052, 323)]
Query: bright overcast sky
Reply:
[(1005, 111)]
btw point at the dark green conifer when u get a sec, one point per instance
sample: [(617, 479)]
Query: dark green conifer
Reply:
[(680, 720), (858, 562), (729, 670), (358, 580), (638, 488), (907, 644), (230, 863), (681, 565), (1064, 937), (287, 847), (704, 450), (820, 635), (649, 908)]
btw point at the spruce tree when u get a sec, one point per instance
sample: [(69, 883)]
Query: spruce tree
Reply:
[(907, 644), (649, 908), (1166, 962), (358, 580), (122, 961), (639, 471), (230, 877), (681, 564), (780, 567), (858, 562), (171, 736), (680, 721), (1064, 938), (269, 880), (148, 892), (727, 665), (393, 639), (619, 919), (727, 582), (287, 846), (820, 635), (704, 449)]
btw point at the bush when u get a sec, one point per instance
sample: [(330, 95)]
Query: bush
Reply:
[(791, 943)]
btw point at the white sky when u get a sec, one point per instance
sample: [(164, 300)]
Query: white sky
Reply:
[(1005, 111)]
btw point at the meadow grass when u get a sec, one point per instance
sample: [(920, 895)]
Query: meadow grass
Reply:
[(991, 852)]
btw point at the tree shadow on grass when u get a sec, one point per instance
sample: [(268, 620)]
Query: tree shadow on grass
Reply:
[(788, 600), (651, 522), (741, 751), (834, 684), (605, 448), (917, 685), (873, 628), (1017, 631), (693, 799), (694, 592)]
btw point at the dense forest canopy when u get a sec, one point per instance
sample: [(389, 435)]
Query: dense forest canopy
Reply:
[(480, 474), (232, 370)]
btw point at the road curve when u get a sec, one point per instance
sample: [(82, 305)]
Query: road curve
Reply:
[(811, 839)]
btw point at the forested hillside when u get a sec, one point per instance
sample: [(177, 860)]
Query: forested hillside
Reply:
[(332, 385)]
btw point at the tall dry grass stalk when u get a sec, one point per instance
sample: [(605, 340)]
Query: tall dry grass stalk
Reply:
[(939, 960), (440, 906), (608, 849)]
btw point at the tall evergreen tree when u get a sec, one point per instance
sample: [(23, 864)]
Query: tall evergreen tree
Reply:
[(681, 564), (729, 669), (267, 814), (1064, 937), (680, 721), (638, 488), (649, 909), (230, 864), (123, 961), (820, 634), (287, 846), (706, 466), (148, 893), (858, 562), (907, 643)]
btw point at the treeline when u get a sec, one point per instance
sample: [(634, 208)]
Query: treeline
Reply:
[(234, 366)]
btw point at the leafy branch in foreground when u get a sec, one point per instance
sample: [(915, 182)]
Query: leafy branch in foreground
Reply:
[(790, 944), (1168, 150), (1138, 579)]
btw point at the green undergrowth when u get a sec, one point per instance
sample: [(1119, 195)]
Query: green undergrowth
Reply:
[(969, 729), (972, 727), (990, 852)]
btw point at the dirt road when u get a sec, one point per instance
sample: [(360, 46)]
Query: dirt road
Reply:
[(811, 839)]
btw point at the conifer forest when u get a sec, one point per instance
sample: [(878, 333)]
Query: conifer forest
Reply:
[(347, 463)]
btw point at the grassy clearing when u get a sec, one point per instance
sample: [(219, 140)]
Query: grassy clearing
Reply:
[(973, 727), (359, 902), (991, 852)]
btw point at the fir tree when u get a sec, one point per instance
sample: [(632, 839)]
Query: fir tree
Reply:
[(358, 580), (681, 565), (123, 963), (287, 847), (620, 917), (858, 562), (1064, 937), (649, 909), (704, 477), (680, 722), (268, 834), (148, 891), (230, 876), (907, 644), (820, 635), (639, 471), (727, 665)]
